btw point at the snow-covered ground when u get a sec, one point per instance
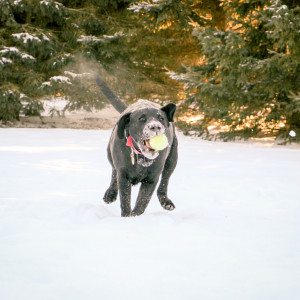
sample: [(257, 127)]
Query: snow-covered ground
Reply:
[(235, 233)]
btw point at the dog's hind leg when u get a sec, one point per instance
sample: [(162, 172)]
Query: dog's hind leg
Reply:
[(169, 167), (112, 192)]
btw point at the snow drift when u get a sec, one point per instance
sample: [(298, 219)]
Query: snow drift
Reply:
[(233, 235)]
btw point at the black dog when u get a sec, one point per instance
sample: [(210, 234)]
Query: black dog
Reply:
[(131, 156)]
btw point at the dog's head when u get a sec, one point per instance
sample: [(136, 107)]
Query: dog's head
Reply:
[(143, 124)]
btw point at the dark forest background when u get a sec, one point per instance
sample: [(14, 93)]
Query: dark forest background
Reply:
[(233, 67)]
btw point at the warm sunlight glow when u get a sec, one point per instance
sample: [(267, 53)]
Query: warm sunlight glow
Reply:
[(191, 119)]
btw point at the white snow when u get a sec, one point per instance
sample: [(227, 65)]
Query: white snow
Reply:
[(56, 104), (79, 75), (25, 37), (52, 3), (6, 50), (5, 61), (144, 6), (46, 83), (15, 51), (177, 76), (235, 232), (27, 56), (62, 79), (88, 39), (94, 39)]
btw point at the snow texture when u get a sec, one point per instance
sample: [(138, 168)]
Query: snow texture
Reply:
[(61, 79), (7, 50), (52, 3), (144, 6), (86, 39), (235, 232), (5, 61), (56, 105), (25, 37), (178, 77), (79, 75), (46, 83), (16, 52)]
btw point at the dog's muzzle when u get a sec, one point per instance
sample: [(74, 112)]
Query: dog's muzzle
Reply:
[(150, 130)]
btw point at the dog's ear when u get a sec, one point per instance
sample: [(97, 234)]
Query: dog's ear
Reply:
[(169, 110), (124, 120)]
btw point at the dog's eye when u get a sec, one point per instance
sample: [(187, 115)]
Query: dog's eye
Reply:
[(142, 118), (160, 117)]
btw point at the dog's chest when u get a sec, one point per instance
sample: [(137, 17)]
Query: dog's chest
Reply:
[(139, 174)]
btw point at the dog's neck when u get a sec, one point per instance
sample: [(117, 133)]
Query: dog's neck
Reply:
[(135, 153), (130, 143)]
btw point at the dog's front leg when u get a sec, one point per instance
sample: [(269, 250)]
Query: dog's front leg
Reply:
[(124, 187), (146, 190)]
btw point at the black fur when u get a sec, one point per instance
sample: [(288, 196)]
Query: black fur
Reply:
[(133, 122)]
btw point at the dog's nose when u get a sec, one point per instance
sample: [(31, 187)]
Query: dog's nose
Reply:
[(155, 127)]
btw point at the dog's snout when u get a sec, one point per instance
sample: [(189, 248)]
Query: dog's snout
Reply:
[(155, 127)]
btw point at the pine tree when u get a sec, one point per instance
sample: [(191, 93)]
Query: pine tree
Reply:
[(39, 39), (247, 80), (250, 69)]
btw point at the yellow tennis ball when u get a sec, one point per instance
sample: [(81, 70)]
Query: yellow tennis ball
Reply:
[(159, 142)]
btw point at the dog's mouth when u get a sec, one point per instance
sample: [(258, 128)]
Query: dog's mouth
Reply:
[(146, 149), (146, 145)]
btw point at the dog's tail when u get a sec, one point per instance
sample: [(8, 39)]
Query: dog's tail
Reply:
[(110, 95)]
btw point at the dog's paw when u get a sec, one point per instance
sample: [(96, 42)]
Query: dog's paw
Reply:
[(168, 205), (110, 196), (126, 214), (135, 213)]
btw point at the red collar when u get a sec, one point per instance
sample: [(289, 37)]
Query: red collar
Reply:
[(129, 143)]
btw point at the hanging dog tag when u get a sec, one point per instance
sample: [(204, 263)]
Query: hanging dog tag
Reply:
[(132, 156)]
